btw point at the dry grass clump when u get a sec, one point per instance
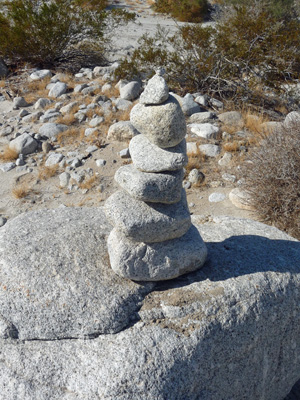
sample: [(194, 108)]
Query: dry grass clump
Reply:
[(272, 179), (20, 191), (196, 160), (8, 154), (36, 89), (45, 173), (2, 83), (68, 119), (71, 136), (89, 183), (232, 147)]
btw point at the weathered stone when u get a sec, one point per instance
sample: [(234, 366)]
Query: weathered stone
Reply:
[(210, 150), (124, 153), (201, 117), (33, 117), (40, 75), (196, 176), (156, 91), (51, 130), (121, 131), (19, 102), (7, 166), (55, 282), (148, 157), (163, 124), (216, 197), (130, 91), (53, 159), (41, 103), (96, 121), (158, 261), (164, 187), (67, 109), (64, 179), (148, 222), (240, 198), (122, 104), (206, 130), (292, 118), (24, 144), (189, 106), (58, 89), (232, 118)]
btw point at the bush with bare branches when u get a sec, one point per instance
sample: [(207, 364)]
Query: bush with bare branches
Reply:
[(272, 178)]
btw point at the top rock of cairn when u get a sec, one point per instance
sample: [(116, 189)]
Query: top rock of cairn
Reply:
[(156, 91)]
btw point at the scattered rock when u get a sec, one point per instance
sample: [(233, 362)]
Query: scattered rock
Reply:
[(121, 131), (53, 159), (51, 130), (124, 153), (206, 130), (210, 150), (58, 89), (24, 144), (96, 121), (201, 117), (7, 166), (130, 91), (64, 179), (240, 199), (196, 177), (19, 102), (100, 162), (216, 197), (232, 119), (189, 106), (40, 75)]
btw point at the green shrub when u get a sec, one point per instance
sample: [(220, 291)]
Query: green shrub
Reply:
[(60, 32), (245, 57), (272, 179), (183, 10)]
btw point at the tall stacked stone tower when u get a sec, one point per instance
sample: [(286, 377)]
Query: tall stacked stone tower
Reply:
[(153, 238)]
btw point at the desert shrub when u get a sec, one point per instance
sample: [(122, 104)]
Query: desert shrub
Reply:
[(278, 8), (245, 57), (272, 179), (183, 10), (60, 32)]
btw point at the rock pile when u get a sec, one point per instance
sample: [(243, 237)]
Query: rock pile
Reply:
[(153, 238)]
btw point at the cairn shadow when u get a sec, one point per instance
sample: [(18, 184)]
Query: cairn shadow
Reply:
[(242, 255)]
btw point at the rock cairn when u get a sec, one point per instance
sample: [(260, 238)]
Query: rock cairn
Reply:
[(153, 238)]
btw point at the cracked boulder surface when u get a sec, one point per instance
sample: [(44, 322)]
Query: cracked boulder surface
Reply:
[(229, 331), (55, 278)]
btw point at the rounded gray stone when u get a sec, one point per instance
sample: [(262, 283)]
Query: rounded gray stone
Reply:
[(121, 131), (156, 91), (162, 187), (58, 89), (216, 197), (163, 124), (51, 130), (130, 91), (158, 261), (148, 222), (55, 278), (148, 157), (24, 144)]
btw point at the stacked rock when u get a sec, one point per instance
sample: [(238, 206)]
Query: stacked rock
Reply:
[(153, 238)]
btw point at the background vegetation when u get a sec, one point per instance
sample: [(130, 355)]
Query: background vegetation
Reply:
[(183, 10), (68, 33), (245, 57)]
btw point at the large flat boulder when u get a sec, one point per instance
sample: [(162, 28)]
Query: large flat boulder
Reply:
[(55, 279), (229, 331)]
